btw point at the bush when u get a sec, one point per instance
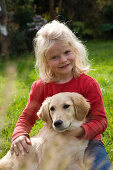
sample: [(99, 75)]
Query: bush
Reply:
[(107, 26), (79, 28), (28, 25)]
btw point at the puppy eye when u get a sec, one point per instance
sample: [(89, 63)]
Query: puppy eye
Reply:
[(66, 106), (52, 108)]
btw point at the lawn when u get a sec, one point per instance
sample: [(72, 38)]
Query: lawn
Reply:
[(15, 88)]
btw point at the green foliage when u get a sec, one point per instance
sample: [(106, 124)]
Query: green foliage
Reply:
[(90, 19), (108, 12), (20, 37), (101, 57), (27, 26), (107, 26), (80, 28), (23, 16), (18, 42)]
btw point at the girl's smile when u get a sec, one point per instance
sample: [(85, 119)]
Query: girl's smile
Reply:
[(60, 59)]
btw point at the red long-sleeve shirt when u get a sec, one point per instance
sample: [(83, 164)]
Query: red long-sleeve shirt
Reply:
[(85, 85)]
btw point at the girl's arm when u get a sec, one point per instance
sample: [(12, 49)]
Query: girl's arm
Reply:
[(20, 138), (96, 119), (29, 117)]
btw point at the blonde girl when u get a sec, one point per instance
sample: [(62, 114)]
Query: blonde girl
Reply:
[(63, 63)]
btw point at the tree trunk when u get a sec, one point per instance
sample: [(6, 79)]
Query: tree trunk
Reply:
[(3, 30), (59, 7), (52, 10)]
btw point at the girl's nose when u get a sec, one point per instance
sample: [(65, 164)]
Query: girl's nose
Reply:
[(63, 58)]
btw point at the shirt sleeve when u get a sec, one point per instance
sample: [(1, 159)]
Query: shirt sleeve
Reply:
[(96, 119), (28, 116)]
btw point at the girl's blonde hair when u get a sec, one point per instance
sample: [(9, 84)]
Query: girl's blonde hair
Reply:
[(58, 32)]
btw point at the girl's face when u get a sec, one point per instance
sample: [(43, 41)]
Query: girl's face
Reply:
[(60, 59)]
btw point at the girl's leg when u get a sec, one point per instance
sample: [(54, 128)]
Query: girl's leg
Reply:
[(97, 151)]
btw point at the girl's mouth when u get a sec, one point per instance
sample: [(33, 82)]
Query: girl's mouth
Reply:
[(64, 66)]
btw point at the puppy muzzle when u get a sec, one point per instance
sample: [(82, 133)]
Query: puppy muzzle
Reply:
[(58, 123), (59, 126)]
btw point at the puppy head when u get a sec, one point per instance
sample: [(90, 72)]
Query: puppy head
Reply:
[(62, 109)]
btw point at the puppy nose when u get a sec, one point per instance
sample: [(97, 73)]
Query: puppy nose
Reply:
[(58, 123)]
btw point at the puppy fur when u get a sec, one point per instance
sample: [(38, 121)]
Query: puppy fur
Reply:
[(51, 148)]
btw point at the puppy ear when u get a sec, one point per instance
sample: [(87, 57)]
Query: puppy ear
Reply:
[(44, 113), (81, 106)]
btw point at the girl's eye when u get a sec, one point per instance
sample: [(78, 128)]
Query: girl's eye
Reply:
[(68, 51), (54, 58)]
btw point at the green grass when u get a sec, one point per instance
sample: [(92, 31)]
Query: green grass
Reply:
[(101, 57)]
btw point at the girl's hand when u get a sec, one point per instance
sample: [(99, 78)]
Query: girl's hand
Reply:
[(20, 145)]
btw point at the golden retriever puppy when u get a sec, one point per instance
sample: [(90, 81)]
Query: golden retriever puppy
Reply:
[(51, 148)]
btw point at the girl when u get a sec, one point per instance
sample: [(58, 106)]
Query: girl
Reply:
[(62, 62)]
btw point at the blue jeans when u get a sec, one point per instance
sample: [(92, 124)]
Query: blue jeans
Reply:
[(97, 151)]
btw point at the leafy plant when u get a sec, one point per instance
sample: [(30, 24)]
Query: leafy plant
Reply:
[(80, 29), (107, 26), (37, 23)]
